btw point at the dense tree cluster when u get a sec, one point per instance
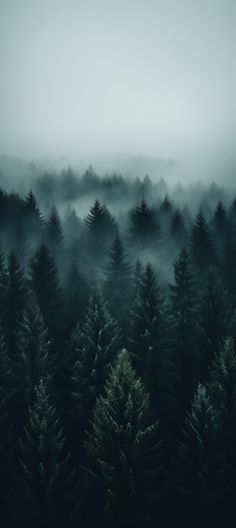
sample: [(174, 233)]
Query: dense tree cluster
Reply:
[(117, 362)]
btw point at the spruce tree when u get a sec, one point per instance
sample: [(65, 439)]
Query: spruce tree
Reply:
[(143, 226), (76, 292), (46, 478), (182, 297), (220, 224), (100, 229), (32, 359), (150, 340), (202, 247), (96, 347), (53, 232), (177, 227), (198, 463), (14, 302), (44, 283), (137, 277), (222, 391), (212, 320), (117, 287), (32, 219), (7, 423), (227, 270), (122, 472)]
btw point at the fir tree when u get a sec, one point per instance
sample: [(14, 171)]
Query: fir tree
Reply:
[(143, 226), (117, 282), (45, 284), (100, 229), (227, 269), (212, 320), (46, 478), (202, 248), (53, 232), (199, 458), (96, 348), (137, 277), (177, 227), (7, 423), (182, 296), (76, 296), (14, 301), (222, 391), (123, 457), (149, 338), (32, 218), (31, 361)]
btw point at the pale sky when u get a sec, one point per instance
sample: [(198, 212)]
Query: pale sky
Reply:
[(149, 77)]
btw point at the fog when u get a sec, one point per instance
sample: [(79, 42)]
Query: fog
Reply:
[(105, 81)]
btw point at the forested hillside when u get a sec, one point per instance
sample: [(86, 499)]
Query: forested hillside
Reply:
[(118, 354)]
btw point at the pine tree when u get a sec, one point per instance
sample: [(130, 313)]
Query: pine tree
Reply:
[(44, 283), (220, 224), (14, 301), (46, 478), (149, 339), (227, 270), (32, 219), (76, 296), (137, 277), (117, 287), (96, 348), (7, 422), (32, 360), (143, 226), (212, 320), (100, 229), (199, 459), (222, 391), (123, 475), (182, 296), (202, 248), (177, 227), (53, 232)]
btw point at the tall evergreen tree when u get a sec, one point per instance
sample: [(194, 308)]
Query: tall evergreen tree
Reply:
[(220, 224), (222, 391), (44, 283), (53, 232), (177, 227), (227, 270), (32, 219), (7, 423), (143, 226), (100, 229), (202, 248), (96, 348), (14, 301), (123, 453), (76, 296), (199, 459), (32, 360), (212, 320), (117, 286), (149, 338), (182, 296), (46, 478)]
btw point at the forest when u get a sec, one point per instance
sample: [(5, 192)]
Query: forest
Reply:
[(118, 353)]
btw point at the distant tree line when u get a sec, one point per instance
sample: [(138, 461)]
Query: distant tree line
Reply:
[(117, 376)]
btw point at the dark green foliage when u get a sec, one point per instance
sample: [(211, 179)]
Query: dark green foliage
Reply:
[(220, 224), (46, 478), (44, 283), (150, 339), (53, 232), (123, 461), (32, 219), (117, 286), (182, 296), (14, 301), (76, 293), (96, 348), (7, 422), (222, 391), (199, 458), (100, 229), (32, 360), (212, 320), (227, 269), (177, 226), (202, 248), (143, 226)]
